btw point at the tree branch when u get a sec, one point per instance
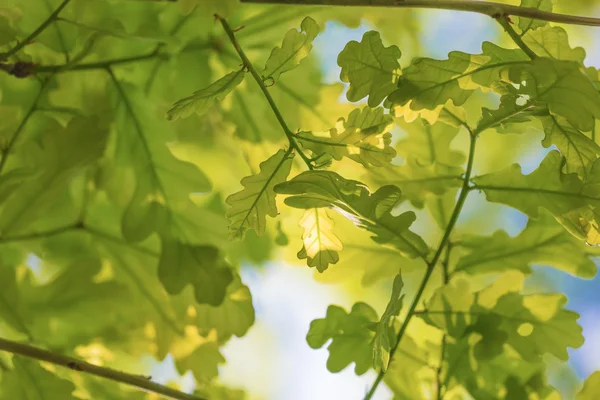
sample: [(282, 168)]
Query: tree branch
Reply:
[(431, 265), (506, 24), (263, 88), (51, 18), (82, 366), (491, 9), (445, 279), (41, 235), (11, 143)]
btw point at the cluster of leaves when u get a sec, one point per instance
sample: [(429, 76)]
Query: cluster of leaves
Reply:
[(121, 232)]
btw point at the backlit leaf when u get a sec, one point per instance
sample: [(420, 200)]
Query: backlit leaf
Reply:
[(29, 381), (321, 245), (591, 387), (350, 338), (385, 336), (526, 24), (202, 100), (543, 242), (578, 149), (562, 85), (201, 266), (364, 137), (296, 45), (369, 68), (429, 83), (370, 211), (250, 206), (552, 41)]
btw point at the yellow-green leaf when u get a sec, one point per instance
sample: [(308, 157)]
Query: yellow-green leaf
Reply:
[(296, 45), (369, 68)]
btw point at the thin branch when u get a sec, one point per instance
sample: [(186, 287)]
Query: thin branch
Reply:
[(445, 279), (9, 147), (41, 235), (117, 240), (263, 88), (489, 8), (431, 265), (95, 65), (51, 18), (159, 46), (506, 24), (82, 366)]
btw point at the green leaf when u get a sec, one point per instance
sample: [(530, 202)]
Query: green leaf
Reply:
[(234, 316), (508, 114), (579, 150), (364, 137), (218, 392), (532, 325), (250, 206), (452, 304), (351, 340), (385, 336), (29, 381), (7, 33), (563, 86), (431, 165), (370, 211), (537, 325), (407, 370), (296, 45), (202, 100), (591, 387), (200, 266), (62, 154), (526, 24), (552, 41), (369, 68), (417, 182), (321, 245), (204, 362), (48, 310), (428, 144), (570, 200), (163, 183), (543, 242), (428, 83)]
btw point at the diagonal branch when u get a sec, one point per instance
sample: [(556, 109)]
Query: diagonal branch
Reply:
[(51, 18), (505, 22), (489, 8), (82, 366), (263, 88), (431, 265)]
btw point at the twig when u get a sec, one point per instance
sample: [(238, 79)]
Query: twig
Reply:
[(431, 265), (489, 8), (506, 24), (95, 65), (85, 367), (445, 279), (263, 88), (41, 235), (51, 18), (9, 147)]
